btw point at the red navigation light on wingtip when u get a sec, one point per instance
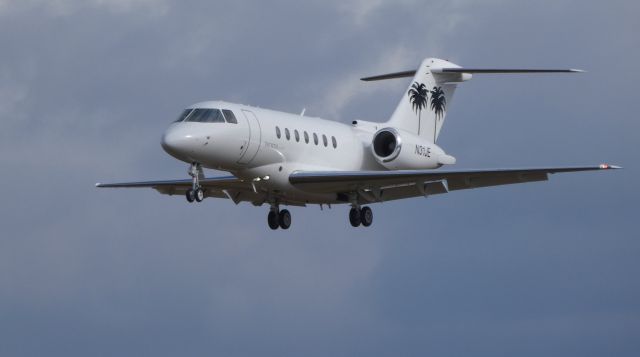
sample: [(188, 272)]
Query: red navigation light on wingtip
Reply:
[(607, 166)]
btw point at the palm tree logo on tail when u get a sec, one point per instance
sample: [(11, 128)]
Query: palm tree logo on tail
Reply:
[(438, 105), (418, 98)]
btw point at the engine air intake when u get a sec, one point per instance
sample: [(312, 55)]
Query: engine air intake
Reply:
[(386, 144)]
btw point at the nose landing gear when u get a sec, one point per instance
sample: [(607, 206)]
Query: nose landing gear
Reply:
[(195, 193)]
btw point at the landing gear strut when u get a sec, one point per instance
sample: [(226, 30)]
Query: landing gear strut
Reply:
[(195, 193), (359, 216), (277, 218)]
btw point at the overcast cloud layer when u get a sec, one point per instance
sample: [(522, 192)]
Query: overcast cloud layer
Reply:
[(88, 87)]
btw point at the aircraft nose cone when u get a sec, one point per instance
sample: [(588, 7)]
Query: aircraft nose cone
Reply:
[(176, 144)]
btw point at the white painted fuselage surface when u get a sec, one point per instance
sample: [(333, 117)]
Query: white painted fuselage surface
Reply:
[(253, 150)]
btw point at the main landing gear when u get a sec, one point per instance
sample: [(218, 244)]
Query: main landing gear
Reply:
[(282, 218), (358, 216), (277, 218), (195, 193)]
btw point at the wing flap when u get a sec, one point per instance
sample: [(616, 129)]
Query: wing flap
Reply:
[(496, 179), (212, 182), (389, 185), (235, 188)]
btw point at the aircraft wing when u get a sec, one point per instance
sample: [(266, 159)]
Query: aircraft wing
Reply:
[(221, 187), (377, 186)]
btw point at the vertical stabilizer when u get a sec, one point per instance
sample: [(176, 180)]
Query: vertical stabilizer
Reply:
[(424, 105)]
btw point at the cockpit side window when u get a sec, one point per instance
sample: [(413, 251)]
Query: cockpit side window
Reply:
[(184, 115), (231, 118), (206, 116)]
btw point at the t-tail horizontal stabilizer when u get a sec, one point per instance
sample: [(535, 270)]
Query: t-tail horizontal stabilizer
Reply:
[(412, 73), (424, 104)]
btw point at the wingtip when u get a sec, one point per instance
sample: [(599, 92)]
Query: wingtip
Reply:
[(609, 167), (577, 70), (98, 184)]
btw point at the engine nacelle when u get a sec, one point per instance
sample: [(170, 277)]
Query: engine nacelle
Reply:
[(398, 150)]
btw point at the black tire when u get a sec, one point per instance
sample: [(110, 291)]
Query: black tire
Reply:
[(354, 217), (198, 194), (272, 219), (284, 219), (190, 195), (366, 216)]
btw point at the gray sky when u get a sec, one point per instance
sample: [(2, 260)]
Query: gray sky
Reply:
[(88, 86)]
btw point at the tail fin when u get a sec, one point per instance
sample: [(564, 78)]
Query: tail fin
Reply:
[(424, 105)]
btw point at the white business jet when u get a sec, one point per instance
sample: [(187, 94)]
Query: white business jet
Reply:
[(278, 158)]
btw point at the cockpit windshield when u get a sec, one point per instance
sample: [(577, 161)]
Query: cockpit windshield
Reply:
[(202, 115), (184, 114), (206, 116)]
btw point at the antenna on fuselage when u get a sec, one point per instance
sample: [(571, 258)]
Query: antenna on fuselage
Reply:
[(303, 110)]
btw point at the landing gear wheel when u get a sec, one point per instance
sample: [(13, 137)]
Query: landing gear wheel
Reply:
[(190, 195), (284, 218), (199, 194), (366, 216), (354, 217), (272, 219)]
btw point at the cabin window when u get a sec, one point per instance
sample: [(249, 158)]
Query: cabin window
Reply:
[(306, 137), (184, 115), (324, 140), (315, 138), (286, 133), (297, 135), (278, 133), (206, 116), (334, 142), (231, 118)]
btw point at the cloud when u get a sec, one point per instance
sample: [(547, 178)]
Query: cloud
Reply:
[(87, 87), (65, 8), (360, 9), (13, 94), (347, 88)]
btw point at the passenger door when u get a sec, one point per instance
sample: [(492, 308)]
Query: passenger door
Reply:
[(255, 135)]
